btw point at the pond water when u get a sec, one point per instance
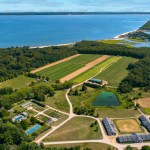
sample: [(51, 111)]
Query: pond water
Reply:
[(106, 99)]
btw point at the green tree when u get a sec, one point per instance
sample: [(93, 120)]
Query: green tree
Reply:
[(84, 88), (146, 147), (24, 124)]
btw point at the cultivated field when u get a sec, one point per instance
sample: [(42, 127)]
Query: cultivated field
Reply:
[(94, 70), (116, 72), (144, 102), (18, 82), (128, 126), (61, 70), (54, 63), (77, 128), (85, 68)]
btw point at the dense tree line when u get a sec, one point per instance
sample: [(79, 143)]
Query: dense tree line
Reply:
[(36, 92), (139, 76), (94, 47), (15, 61)]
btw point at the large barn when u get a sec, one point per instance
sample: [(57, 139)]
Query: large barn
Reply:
[(109, 126), (134, 138), (145, 122)]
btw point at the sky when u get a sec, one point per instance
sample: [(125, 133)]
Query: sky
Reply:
[(74, 5)]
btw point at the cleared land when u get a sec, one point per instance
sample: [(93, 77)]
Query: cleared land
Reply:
[(85, 68), (128, 126), (92, 146), (53, 64), (61, 70), (18, 82), (77, 128), (94, 70), (145, 102), (58, 101), (116, 72)]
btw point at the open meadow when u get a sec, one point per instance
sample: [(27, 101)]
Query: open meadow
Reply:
[(61, 70), (77, 128), (58, 101), (18, 82), (116, 72)]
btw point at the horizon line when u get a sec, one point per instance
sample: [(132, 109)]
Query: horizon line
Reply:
[(67, 13)]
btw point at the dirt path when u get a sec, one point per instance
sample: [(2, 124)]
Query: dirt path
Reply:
[(54, 63), (85, 68)]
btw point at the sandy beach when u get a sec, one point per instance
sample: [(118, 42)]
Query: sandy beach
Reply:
[(52, 45), (123, 34)]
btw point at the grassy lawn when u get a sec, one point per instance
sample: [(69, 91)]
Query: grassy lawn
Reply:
[(92, 146), (37, 107), (65, 68), (116, 72), (126, 126), (31, 112), (58, 101), (117, 113), (147, 111), (42, 118), (77, 128), (18, 82), (90, 95), (94, 70)]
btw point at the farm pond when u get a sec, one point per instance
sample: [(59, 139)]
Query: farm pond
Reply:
[(106, 99)]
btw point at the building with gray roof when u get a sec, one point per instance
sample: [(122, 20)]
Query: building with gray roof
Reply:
[(109, 126), (133, 138), (145, 122)]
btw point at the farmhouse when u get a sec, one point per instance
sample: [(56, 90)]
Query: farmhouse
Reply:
[(109, 126), (134, 138), (145, 122)]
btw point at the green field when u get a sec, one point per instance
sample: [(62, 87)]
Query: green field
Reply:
[(65, 68), (147, 111), (18, 82), (116, 72), (58, 101), (92, 146), (89, 96), (117, 112), (94, 70), (77, 128)]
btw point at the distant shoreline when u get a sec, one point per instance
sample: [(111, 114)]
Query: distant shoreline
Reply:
[(123, 34), (67, 44), (72, 13)]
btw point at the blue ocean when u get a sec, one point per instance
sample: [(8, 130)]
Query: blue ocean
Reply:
[(40, 30)]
